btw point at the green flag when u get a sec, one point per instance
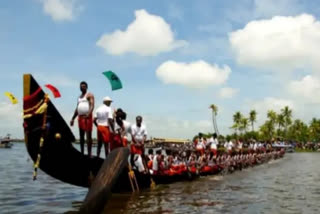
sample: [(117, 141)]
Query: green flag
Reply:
[(114, 80)]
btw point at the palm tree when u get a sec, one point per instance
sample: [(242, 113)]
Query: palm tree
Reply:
[(244, 122), (280, 121), (270, 124), (298, 131), (252, 118), (214, 109), (287, 113), (314, 129), (237, 120), (234, 127), (267, 130), (272, 115)]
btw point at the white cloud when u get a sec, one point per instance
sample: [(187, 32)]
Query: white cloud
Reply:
[(61, 10), (227, 92), (198, 74), (147, 35), (307, 89), (271, 103), (280, 43)]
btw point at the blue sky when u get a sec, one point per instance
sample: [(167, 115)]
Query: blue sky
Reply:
[(174, 58)]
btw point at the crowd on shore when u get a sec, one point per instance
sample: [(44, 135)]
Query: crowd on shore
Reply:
[(309, 146)]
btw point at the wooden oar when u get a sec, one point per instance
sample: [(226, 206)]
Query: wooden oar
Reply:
[(100, 190), (133, 180)]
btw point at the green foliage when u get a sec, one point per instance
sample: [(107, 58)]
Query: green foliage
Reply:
[(304, 150), (252, 118), (251, 135), (314, 130), (277, 125), (298, 131)]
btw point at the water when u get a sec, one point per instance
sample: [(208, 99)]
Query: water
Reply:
[(289, 185)]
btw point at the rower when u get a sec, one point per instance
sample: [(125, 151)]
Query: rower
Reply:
[(214, 144), (255, 146), (150, 158), (138, 136), (225, 145), (103, 120), (230, 147), (122, 130), (240, 145), (156, 162), (192, 165), (201, 144)]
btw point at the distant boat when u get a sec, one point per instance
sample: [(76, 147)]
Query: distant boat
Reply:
[(5, 143)]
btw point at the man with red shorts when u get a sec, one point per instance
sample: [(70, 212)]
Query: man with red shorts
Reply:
[(139, 136), (122, 129), (103, 120), (84, 111), (214, 144)]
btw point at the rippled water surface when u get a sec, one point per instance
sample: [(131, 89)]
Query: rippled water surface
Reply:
[(288, 185)]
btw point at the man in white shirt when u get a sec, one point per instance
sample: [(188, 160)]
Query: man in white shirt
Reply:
[(84, 111), (255, 146), (103, 119), (214, 144), (200, 147), (139, 136), (122, 129), (225, 145), (230, 146), (240, 145), (260, 146)]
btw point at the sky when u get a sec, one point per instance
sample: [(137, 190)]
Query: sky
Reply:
[(174, 58)]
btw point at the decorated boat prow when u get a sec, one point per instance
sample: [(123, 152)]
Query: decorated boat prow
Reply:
[(49, 139)]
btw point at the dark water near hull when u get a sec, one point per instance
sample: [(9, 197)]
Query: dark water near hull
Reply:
[(289, 185)]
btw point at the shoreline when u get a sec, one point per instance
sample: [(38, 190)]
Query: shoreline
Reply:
[(306, 150)]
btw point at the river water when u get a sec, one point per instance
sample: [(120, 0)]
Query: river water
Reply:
[(289, 185)]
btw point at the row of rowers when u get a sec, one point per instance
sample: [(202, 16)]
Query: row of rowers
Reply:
[(175, 163), (201, 144), (113, 129)]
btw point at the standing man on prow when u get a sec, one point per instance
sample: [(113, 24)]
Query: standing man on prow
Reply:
[(139, 136), (103, 120), (84, 111)]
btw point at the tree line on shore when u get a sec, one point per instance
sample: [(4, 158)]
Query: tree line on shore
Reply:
[(280, 125)]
